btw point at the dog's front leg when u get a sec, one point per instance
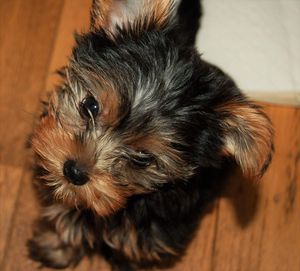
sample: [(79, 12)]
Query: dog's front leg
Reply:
[(61, 237)]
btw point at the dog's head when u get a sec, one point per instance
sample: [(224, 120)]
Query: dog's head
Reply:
[(137, 110)]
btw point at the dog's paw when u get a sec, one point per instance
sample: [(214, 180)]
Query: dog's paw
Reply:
[(50, 251)]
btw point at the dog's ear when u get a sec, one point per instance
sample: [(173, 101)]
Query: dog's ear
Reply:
[(248, 136), (111, 14)]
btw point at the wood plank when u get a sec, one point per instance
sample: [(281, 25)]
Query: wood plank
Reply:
[(26, 40), (281, 240), (26, 34), (10, 179), (64, 42), (259, 223), (26, 213), (199, 253)]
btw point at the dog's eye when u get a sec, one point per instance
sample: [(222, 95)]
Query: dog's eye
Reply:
[(142, 159), (89, 107)]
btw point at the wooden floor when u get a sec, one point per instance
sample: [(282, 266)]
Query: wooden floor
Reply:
[(256, 226)]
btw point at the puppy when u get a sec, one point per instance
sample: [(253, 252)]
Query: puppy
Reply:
[(138, 138)]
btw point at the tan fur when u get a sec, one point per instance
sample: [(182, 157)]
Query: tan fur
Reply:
[(161, 10), (154, 142), (157, 11), (68, 224), (110, 107), (97, 86), (49, 247), (111, 179), (99, 13), (163, 247), (54, 146), (248, 136), (160, 145)]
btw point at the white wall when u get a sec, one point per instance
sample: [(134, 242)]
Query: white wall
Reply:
[(258, 43)]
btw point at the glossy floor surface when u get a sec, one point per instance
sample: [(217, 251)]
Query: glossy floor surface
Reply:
[(255, 226)]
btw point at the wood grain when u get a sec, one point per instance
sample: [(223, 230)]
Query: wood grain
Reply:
[(255, 226), (10, 179), (64, 41), (260, 224), (27, 35)]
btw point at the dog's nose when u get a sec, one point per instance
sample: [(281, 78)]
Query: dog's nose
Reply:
[(74, 173)]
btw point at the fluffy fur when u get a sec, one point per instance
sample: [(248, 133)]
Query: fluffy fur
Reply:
[(166, 130)]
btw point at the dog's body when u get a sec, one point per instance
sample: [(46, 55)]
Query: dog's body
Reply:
[(138, 139)]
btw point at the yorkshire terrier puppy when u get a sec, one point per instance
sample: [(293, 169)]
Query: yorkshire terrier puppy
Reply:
[(138, 138)]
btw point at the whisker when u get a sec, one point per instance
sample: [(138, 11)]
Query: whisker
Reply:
[(69, 80), (93, 121), (71, 89)]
